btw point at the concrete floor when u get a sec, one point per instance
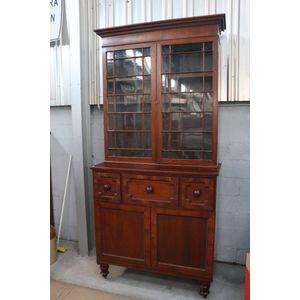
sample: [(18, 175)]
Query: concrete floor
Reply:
[(71, 268)]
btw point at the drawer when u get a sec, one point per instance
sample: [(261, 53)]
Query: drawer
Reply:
[(107, 187), (150, 190), (197, 193)]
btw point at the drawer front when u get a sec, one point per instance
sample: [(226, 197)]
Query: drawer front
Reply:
[(150, 190), (197, 193), (107, 187)]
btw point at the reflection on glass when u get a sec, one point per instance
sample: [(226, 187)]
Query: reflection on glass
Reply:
[(129, 140), (147, 84), (129, 85), (147, 65), (187, 63), (110, 55), (128, 67), (208, 102), (165, 64), (132, 103), (110, 68), (128, 53), (182, 83)]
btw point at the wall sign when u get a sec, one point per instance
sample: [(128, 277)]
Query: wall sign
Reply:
[(56, 12)]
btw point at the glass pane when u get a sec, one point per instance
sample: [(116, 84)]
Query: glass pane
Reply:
[(165, 64), (110, 68), (147, 103), (129, 140), (147, 121), (208, 122), (129, 85), (207, 141), (187, 63), (147, 84), (128, 122), (208, 102), (111, 123), (147, 65), (128, 53), (110, 86), (182, 155), (208, 46), (130, 153), (111, 106), (165, 50), (183, 83), (208, 83), (182, 121), (207, 155), (147, 52), (208, 61), (129, 67), (183, 102), (132, 103), (187, 48), (109, 55), (191, 141)]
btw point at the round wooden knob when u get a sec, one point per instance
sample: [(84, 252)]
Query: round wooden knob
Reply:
[(106, 187), (197, 193), (149, 189)]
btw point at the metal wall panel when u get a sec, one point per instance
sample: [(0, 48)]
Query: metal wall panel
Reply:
[(234, 71), (234, 74)]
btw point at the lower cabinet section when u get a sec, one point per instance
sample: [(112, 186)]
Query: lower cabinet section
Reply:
[(166, 240), (161, 222)]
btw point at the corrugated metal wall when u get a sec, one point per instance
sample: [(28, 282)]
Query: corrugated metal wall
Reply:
[(235, 42)]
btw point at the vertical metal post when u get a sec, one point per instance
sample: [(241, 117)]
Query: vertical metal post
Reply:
[(77, 127)]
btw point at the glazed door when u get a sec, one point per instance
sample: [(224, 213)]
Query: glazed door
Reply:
[(124, 235), (129, 96), (187, 85), (182, 241)]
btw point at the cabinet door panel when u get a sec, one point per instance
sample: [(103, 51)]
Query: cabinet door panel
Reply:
[(182, 241), (124, 235)]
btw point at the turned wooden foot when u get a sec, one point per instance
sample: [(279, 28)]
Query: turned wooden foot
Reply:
[(104, 270), (204, 289)]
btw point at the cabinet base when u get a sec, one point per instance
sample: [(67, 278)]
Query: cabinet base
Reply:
[(204, 289), (104, 270)]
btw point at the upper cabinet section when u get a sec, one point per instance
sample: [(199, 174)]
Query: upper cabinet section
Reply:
[(161, 91)]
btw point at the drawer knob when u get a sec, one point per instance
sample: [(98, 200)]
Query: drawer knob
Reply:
[(107, 187), (149, 189), (197, 193)]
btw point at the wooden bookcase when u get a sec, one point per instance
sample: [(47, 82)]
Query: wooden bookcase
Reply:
[(155, 192)]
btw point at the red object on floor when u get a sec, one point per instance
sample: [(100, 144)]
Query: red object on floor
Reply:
[(247, 279)]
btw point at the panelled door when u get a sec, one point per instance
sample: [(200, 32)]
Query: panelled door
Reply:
[(182, 241), (124, 234)]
